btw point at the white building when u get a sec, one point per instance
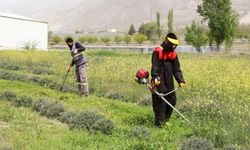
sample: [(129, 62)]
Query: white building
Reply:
[(17, 31)]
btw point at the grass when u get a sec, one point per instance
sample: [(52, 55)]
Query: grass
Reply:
[(23, 124), (216, 99)]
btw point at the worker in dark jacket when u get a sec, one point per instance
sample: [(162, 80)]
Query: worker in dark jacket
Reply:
[(165, 66), (80, 62)]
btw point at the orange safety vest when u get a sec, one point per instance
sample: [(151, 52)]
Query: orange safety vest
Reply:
[(165, 55)]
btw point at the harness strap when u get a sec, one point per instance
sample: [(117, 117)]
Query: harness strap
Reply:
[(165, 55)]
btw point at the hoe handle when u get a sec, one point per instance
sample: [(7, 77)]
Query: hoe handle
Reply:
[(64, 80)]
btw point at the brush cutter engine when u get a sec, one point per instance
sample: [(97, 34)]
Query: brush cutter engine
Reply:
[(142, 76)]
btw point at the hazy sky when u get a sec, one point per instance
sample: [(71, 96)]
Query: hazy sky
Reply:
[(78, 14)]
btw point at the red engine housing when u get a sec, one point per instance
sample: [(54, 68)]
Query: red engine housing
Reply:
[(142, 73)]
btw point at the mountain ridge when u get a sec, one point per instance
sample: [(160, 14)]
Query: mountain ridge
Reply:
[(91, 15)]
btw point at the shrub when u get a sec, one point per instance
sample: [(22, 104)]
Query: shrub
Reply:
[(145, 101), (52, 109), (66, 117), (39, 81), (141, 145), (217, 136), (38, 105), (54, 85), (92, 122), (127, 39), (91, 39), (140, 38), (196, 143), (7, 76), (117, 39), (14, 76), (44, 81), (9, 66), (30, 45), (23, 101), (82, 39), (64, 97), (103, 125), (68, 88), (85, 120), (9, 95), (149, 29), (105, 40), (113, 95), (195, 35), (56, 39), (34, 79), (48, 109), (140, 133), (230, 148), (42, 71)]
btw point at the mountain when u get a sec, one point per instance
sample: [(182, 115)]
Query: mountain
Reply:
[(65, 15)]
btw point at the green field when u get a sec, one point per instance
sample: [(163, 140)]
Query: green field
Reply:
[(216, 99)]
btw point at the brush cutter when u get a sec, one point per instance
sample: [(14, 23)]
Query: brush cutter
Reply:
[(142, 78)]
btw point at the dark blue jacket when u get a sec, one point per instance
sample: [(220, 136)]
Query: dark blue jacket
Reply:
[(78, 59)]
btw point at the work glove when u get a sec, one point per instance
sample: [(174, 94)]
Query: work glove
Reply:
[(181, 85), (157, 81), (154, 82)]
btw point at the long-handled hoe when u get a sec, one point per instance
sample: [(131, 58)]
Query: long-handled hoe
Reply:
[(61, 88)]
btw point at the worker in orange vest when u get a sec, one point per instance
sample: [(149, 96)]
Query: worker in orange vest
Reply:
[(165, 66)]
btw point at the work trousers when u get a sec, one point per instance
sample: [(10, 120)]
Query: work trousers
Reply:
[(161, 109), (82, 80)]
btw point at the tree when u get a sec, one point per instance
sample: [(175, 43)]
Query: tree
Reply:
[(222, 21), (68, 36), (140, 38), (82, 39), (170, 20), (149, 29), (132, 30), (117, 39), (56, 39), (105, 40), (94, 39), (50, 34), (141, 29), (158, 22), (195, 36), (91, 39), (127, 39), (244, 31)]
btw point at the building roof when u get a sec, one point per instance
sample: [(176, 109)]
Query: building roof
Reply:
[(15, 16)]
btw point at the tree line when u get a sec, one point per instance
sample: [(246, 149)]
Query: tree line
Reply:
[(219, 25)]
